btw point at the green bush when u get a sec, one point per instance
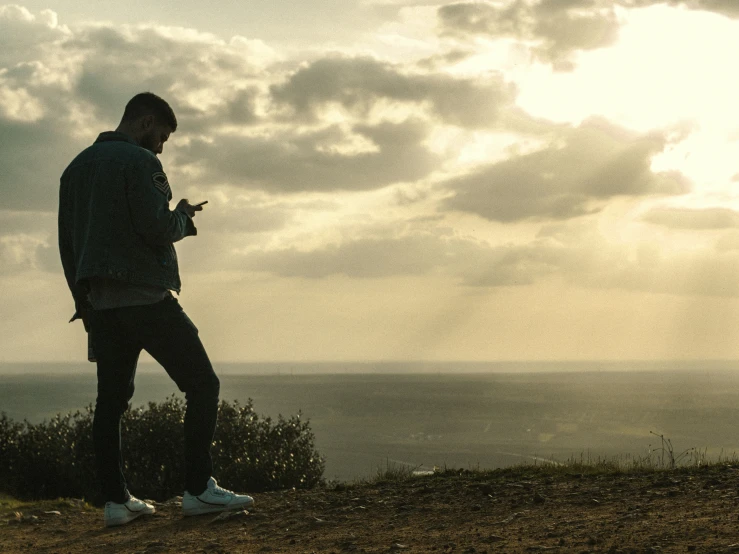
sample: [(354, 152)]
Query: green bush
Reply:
[(250, 454)]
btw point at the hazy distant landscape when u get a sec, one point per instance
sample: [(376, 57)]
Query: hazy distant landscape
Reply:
[(423, 414)]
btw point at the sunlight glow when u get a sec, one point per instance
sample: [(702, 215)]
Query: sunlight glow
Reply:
[(668, 66)]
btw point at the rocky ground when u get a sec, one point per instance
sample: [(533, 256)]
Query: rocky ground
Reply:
[(516, 510)]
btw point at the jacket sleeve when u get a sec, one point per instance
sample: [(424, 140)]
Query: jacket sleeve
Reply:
[(148, 195), (66, 251)]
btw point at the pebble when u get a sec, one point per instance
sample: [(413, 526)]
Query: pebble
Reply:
[(224, 516)]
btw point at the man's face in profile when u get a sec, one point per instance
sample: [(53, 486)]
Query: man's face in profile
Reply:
[(155, 135)]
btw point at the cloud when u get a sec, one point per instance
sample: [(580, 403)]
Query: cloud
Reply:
[(556, 29), (20, 252), (27, 222), (702, 273), (729, 8), (567, 254), (362, 157), (59, 87), (579, 255), (693, 219), (180, 64), (28, 242), (359, 84), (33, 158), (362, 258), (580, 169), (24, 37), (230, 211), (417, 253)]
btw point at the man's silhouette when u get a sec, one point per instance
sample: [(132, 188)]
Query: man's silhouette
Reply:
[(116, 239)]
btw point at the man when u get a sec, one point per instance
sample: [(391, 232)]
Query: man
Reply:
[(116, 235)]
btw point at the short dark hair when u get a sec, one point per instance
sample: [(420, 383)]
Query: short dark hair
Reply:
[(148, 103)]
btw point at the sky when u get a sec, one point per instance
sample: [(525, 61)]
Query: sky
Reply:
[(398, 179)]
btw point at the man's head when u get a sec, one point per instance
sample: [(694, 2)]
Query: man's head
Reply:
[(149, 120)]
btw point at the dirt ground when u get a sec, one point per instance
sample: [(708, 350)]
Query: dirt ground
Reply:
[(521, 510)]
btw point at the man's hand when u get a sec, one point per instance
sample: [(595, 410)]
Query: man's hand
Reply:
[(185, 206), (82, 311)]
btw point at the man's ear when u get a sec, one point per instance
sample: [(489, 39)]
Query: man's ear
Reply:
[(147, 121)]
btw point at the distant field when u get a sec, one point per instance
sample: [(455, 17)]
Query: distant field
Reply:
[(361, 421)]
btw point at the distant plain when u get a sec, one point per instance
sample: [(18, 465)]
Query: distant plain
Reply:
[(466, 415)]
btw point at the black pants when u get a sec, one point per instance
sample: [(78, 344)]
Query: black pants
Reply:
[(164, 331)]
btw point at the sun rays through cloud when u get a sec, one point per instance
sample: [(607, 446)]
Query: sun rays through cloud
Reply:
[(416, 180)]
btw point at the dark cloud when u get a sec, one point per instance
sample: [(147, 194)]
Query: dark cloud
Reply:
[(357, 84), (291, 161), (693, 219), (581, 168), (557, 27), (32, 158), (445, 59), (240, 109), (117, 64)]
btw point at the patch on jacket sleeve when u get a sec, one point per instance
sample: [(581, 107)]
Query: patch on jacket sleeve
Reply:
[(162, 184)]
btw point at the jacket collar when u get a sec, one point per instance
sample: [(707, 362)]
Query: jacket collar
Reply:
[(108, 136)]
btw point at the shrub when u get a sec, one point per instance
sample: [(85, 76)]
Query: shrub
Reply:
[(251, 454)]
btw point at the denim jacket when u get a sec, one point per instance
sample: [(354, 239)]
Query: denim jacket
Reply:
[(114, 218)]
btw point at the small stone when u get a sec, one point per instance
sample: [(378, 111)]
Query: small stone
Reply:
[(224, 516), (53, 513), (398, 546)]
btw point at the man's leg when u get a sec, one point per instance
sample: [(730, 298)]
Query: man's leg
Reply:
[(172, 340), (117, 355)]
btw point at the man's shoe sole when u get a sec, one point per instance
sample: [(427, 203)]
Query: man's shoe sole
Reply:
[(212, 509), (130, 517)]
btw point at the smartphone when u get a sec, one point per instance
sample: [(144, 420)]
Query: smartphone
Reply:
[(201, 203)]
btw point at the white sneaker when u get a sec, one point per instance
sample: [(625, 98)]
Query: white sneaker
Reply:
[(118, 514), (214, 499)]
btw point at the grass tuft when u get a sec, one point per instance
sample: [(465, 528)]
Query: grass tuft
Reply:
[(661, 458)]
